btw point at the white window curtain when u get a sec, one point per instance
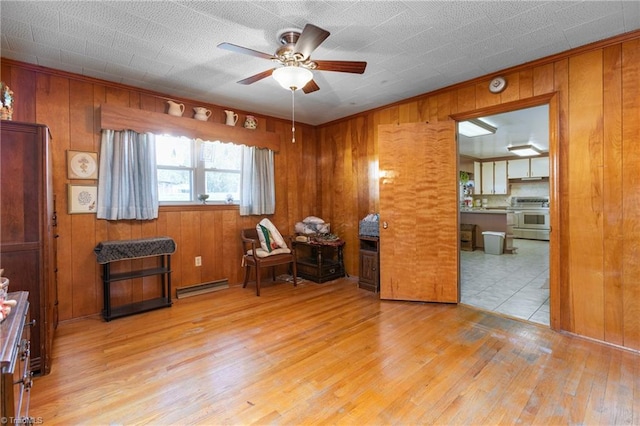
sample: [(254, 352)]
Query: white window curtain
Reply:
[(257, 182), (128, 181)]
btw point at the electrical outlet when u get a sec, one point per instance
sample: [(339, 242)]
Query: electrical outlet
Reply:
[(198, 261)]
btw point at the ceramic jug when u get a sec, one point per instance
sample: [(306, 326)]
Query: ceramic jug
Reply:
[(232, 118), (202, 114), (175, 108), (250, 122)]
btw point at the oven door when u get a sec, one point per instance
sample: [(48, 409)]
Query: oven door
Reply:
[(532, 225), (533, 220)]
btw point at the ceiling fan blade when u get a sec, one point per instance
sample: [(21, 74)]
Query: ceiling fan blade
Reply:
[(310, 87), (310, 39), (355, 67), (244, 50), (257, 77)]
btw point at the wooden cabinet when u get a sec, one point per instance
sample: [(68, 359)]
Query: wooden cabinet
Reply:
[(15, 374), (528, 168), (369, 275), (467, 237), (27, 227), (319, 261), (466, 165), (494, 177)]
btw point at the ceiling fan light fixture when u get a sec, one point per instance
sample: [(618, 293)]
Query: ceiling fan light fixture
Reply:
[(292, 77), (524, 150), (475, 127)]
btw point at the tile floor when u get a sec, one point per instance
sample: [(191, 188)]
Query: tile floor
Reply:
[(511, 284)]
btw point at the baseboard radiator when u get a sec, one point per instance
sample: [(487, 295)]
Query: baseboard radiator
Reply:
[(196, 289)]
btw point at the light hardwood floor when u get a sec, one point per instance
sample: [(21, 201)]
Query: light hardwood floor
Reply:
[(329, 354)]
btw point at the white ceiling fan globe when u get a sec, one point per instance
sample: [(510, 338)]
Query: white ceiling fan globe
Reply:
[(292, 77)]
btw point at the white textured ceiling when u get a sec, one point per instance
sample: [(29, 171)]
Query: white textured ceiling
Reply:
[(521, 127), (412, 47)]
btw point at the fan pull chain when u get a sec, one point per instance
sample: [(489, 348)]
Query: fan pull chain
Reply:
[(293, 116)]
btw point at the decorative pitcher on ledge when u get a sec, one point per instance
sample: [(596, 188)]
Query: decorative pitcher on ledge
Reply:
[(175, 108), (250, 122), (201, 113), (232, 118)]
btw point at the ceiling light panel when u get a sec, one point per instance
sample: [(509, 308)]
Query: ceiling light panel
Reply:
[(475, 127), (524, 150)]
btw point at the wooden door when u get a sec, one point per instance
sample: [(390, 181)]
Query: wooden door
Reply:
[(419, 205)]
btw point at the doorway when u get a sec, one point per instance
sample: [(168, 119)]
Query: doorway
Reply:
[(517, 282)]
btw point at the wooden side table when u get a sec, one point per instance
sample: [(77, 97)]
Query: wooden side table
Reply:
[(320, 260), (113, 251), (369, 278)]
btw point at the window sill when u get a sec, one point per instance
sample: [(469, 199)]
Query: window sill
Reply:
[(197, 207)]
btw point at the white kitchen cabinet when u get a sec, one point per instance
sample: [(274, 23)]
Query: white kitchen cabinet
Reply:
[(500, 177), (494, 177), (518, 168), (487, 177), (477, 176), (540, 167), (528, 167)]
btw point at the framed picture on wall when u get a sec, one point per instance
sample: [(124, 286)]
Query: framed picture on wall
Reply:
[(82, 198), (82, 165)]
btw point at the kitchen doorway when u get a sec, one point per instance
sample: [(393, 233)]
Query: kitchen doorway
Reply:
[(515, 283)]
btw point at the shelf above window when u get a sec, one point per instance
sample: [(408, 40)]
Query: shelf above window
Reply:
[(120, 118)]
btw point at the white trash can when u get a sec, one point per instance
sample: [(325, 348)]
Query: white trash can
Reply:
[(493, 242)]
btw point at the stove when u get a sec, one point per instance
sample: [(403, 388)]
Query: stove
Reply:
[(531, 217), (529, 203)]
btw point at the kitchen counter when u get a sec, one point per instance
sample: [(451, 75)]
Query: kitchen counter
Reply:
[(485, 211), (496, 220)]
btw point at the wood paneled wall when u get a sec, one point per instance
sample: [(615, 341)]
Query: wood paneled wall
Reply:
[(598, 93), (69, 105)]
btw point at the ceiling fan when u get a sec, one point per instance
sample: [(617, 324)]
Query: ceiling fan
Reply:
[(295, 59)]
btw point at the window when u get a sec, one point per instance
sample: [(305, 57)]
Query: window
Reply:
[(221, 165), (188, 167)]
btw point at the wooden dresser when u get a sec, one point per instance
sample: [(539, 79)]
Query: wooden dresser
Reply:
[(28, 228), (15, 375)]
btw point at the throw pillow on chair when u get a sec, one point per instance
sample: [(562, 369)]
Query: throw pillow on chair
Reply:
[(264, 247), (270, 238)]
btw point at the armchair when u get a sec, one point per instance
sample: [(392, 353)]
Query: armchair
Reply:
[(253, 255)]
